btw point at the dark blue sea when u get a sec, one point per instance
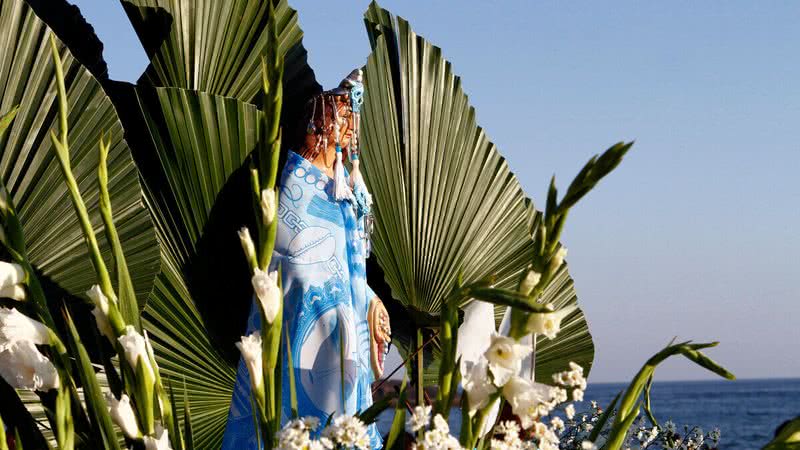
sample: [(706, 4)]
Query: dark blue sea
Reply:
[(746, 411)]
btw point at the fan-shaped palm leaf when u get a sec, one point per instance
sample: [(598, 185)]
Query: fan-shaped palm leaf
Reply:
[(30, 170), (201, 141), (445, 200), (216, 46)]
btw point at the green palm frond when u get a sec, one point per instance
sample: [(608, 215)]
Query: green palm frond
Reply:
[(446, 201), (30, 170), (574, 342), (197, 191), (217, 46)]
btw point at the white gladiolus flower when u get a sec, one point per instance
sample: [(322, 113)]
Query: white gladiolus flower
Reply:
[(528, 400), (13, 291), (529, 282), (159, 440), (15, 327), (123, 415), (504, 356), (24, 367), (347, 431), (11, 278), (477, 385), (135, 346), (588, 445), (577, 395), (557, 423), (548, 323), (420, 418), (100, 311), (570, 411), (558, 258), (250, 346), (11, 274), (247, 243), (268, 205), (268, 293)]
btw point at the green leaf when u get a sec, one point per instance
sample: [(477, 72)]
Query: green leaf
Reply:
[(627, 410), (370, 415), (188, 432), (5, 119), (3, 441), (29, 167), (601, 421), (396, 438), (787, 436), (92, 393), (290, 367), (217, 46)]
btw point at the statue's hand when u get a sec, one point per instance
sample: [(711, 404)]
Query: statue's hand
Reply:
[(380, 335)]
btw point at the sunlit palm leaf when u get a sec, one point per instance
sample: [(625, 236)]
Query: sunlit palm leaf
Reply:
[(445, 199), (30, 171), (217, 46), (198, 200), (574, 342)]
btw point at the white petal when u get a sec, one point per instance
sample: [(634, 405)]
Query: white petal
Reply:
[(15, 326), (13, 291), (11, 274), (24, 367)]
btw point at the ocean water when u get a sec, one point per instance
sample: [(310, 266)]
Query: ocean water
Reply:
[(747, 412)]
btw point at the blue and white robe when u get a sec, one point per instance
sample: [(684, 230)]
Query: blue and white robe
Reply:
[(321, 248)]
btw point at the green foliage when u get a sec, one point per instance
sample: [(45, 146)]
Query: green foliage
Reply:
[(446, 202), (396, 438), (30, 170), (630, 403), (787, 436)]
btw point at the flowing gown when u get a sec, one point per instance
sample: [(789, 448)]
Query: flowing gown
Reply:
[(321, 248)]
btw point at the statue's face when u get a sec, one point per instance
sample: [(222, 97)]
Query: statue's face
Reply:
[(345, 125)]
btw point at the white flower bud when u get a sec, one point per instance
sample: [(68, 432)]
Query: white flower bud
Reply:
[(268, 206), (123, 415), (159, 440), (558, 258), (135, 347), (529, 282), (11, 274), (247, 244), (15, 327), (100, 312), (13, 291), (268, 293), (548, 323), (250, 346)]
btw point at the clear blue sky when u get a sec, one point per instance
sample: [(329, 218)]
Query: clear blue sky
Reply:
[(696, 234)]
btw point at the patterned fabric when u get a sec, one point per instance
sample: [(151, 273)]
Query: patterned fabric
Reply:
[(320, 246)]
